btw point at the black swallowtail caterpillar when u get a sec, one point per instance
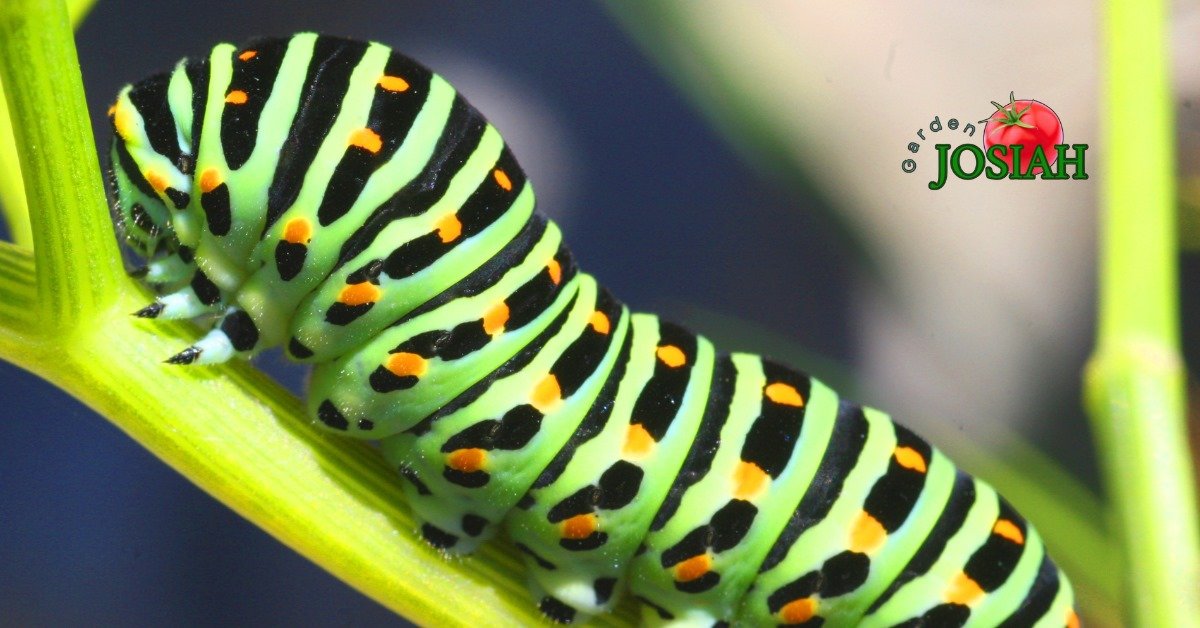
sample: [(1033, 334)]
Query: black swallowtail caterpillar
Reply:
[(338, 199)]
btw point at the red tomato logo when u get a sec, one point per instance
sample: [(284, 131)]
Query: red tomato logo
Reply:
[(1029, 123)]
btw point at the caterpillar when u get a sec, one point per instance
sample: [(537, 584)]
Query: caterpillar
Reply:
[(339, 200)]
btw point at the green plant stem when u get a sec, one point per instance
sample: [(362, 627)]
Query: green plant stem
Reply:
[(1135, 380), (13, 205), (74, 251)]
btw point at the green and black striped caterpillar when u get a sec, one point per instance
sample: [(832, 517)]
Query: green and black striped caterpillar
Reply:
[(335, 198)]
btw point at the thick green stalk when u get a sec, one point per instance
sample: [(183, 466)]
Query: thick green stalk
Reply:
[(75, 252), (13, 206), (1135, 380)]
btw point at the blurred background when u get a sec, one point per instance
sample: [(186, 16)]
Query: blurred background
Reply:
[(735, 167)]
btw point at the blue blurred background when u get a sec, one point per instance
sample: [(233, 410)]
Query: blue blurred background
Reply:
[(98, 532)]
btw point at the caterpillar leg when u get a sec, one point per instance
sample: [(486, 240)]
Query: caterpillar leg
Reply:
[(166, 270), (574, 603), (182, 304), (234, 335)]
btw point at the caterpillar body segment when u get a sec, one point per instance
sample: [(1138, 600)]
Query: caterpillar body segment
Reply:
[(339, 200)]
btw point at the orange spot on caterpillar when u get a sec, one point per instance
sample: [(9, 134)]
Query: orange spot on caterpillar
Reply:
[(798, 611), (406, 364), (122, 120), (692, 568), (671, 355), (359, 293), (599, 322), (393, 83), (494, 320), (784, 394), (748, 480), (1009, 530), (112, 110), (248, 55), (1072, 619), (638, 441), (579, 526), (449, 228), (366, 139), (555, 270), (157, 180), (867, 535), (963, 590), (297, 231), (236, 97), (910, 458), (466, 460), (502, 179), (546, 394), (209, 180)]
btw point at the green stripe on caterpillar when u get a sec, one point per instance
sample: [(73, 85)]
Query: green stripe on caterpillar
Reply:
[(339, 200)]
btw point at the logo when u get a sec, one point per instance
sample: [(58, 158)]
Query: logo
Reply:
[(1022, 140)]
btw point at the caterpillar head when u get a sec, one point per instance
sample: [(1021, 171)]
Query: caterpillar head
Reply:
[(148, 178)]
